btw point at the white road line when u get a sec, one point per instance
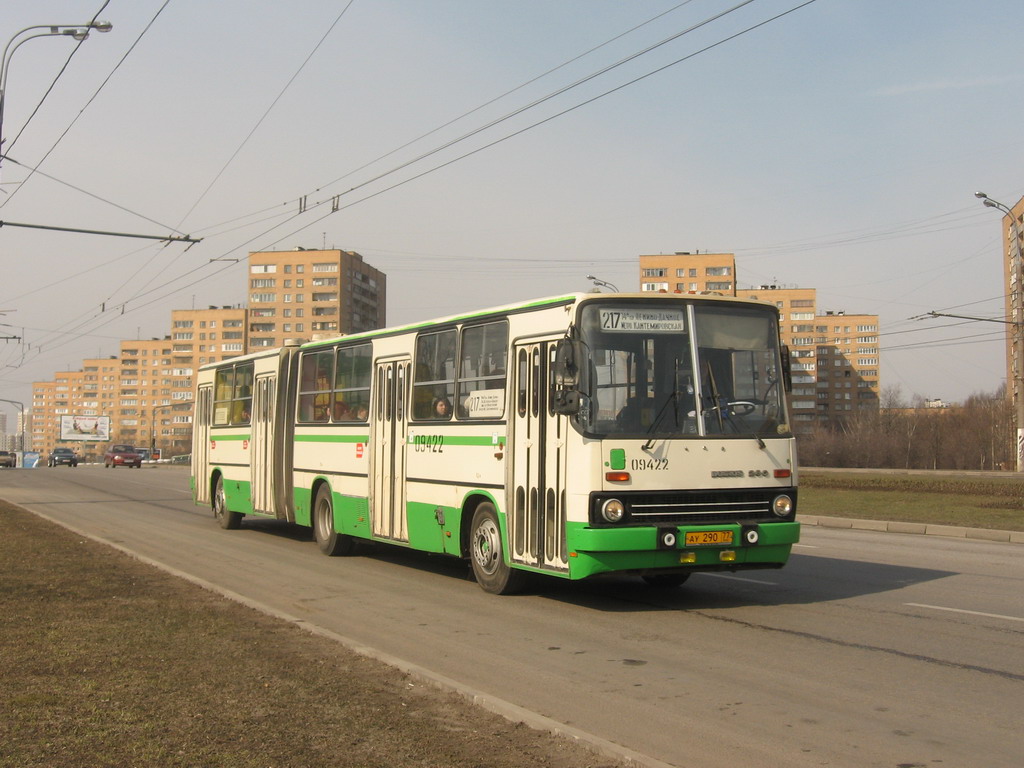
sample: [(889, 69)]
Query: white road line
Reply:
[(739, 578), (961, 610), (805, 546)]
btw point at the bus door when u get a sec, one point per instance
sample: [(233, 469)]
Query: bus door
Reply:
[(201, 443), (537, 499), (387, 440), (261, 446)]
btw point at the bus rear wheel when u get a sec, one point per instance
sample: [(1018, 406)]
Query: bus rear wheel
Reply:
[(227, 519), (331, 542), (487, 555)]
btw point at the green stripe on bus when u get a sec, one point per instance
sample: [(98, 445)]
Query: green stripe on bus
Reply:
[(458, 439), (332, 438), (226, 438)]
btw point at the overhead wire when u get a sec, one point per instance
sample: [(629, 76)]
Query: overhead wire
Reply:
[(537, 123)]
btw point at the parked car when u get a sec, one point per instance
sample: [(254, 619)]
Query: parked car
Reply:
[(122, 456), (60, 456), (8, 459), (143, 453)]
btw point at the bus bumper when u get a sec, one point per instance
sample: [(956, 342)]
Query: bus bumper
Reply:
[(648, 548)]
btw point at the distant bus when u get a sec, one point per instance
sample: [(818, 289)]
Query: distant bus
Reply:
[(569, 436)]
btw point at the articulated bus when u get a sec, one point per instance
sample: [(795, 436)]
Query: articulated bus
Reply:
[(572, 436)]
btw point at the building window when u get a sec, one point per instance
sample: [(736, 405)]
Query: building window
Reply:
[(717, 271), (654, 273), (263, 269)]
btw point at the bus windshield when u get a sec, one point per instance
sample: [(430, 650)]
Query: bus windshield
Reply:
[(680, 369)]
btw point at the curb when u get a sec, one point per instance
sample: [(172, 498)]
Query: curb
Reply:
[(920, 529)]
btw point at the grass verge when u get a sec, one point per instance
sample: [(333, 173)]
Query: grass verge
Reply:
[(973, 502), (110, 662)]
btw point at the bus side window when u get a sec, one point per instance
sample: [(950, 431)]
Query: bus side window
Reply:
[(435, 374)]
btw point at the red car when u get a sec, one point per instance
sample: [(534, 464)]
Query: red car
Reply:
[(122, 456)]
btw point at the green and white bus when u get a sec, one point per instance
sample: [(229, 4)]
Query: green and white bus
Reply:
[(571, 436)]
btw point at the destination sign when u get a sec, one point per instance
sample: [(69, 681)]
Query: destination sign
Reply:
[(643, 320)]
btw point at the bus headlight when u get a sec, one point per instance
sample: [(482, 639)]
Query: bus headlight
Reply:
[(782, 506), (613, 510)]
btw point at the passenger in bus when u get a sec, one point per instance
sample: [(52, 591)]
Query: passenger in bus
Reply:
[(442, 408), (341, 411), (362, 413)]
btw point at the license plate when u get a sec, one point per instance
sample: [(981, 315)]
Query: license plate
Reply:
[(708, 538)]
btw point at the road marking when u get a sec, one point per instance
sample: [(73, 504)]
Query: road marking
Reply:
[(805, 546), (739, 578), (961, 610)]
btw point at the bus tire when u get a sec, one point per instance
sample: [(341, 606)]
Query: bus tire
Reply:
[(665, 580), (331, 542), (487, 554), (227, 519)]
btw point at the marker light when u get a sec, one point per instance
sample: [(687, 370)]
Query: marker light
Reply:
[(613, 510), (616, 477), (727, 556), (782, 474)]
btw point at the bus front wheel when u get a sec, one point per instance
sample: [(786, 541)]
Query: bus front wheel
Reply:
[(487, 554), (331, 542), (227, 519)]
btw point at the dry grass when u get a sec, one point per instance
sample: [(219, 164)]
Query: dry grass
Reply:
[(974, 502), (109, 662)]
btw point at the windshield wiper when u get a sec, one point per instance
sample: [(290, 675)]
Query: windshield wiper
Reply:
[(673, 398)]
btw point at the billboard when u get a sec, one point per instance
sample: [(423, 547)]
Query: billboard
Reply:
[(84, 427)]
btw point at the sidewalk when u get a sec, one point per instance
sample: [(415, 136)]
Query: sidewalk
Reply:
[(927, 529)]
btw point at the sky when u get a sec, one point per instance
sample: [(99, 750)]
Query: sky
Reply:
[(482, 152)]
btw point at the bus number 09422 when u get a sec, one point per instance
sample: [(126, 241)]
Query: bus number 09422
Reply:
[(429, 443)]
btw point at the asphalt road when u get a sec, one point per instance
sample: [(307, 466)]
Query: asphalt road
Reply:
[(868, 649)]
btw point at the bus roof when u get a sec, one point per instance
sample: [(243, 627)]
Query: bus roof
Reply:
[(524, 306)]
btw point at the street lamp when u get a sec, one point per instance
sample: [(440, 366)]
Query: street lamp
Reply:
[(595, 281), (1016, 272), (77, 32)]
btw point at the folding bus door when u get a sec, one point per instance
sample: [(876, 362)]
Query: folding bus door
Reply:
[(536, 506), (201, 443), (261, 446), (388, 439)]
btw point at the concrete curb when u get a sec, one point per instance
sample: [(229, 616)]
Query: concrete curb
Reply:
[(921, 529)]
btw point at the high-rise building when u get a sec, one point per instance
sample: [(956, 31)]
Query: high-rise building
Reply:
[(685, 272), (834, 357), (1013, 231), (307, 294)]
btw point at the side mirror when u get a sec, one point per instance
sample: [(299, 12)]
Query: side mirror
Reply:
[(568, 354), (567, 402)]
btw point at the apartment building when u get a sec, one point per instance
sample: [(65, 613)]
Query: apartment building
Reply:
[(198, 336), (307, 294), (1013, 247), (91, 391), (686, 272), (834, 356)]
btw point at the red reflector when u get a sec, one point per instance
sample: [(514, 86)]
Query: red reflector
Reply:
[(780, 473), (616, 477)]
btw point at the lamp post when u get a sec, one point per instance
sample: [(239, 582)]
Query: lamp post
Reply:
[(1016, 273), (21, 435), (595, 281), (153, 426), (77, 32)]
